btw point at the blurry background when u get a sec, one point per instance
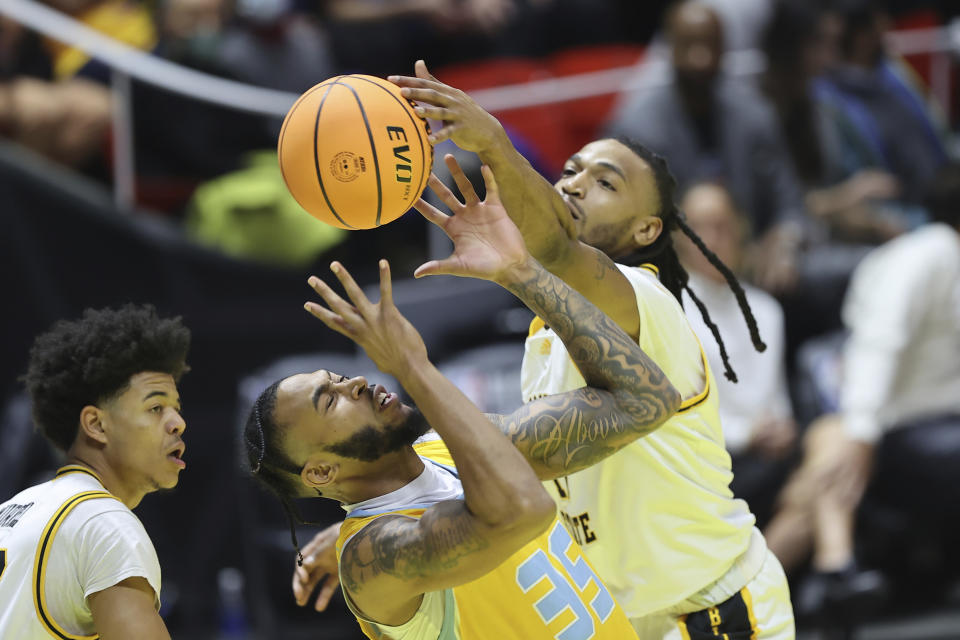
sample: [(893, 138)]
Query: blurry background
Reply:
[(804, 133)]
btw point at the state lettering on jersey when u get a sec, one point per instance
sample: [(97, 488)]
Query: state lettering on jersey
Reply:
[(561, 491), (10, 515), (579, 527)]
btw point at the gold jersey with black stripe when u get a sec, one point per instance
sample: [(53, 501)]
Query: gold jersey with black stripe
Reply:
[(657, 519), (60, 542)]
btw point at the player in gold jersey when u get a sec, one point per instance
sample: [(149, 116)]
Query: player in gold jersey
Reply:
[(457, 539)]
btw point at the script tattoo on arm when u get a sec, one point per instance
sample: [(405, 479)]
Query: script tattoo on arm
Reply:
[(407, 549), (627, 394)]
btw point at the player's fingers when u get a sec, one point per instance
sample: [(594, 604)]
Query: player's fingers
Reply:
[(445, 133), (418, 83), (329, 587), (434, 113), (420, 68), (386, 284), (332, 320), (324, 290), (354, 292), (336, 304), (301, 578), (443, 192), (448, 266), (431, 213), (430, 95), (493, 191), (463, 182)]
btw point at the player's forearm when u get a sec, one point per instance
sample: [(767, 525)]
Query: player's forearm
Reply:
[(499, 487), (605, 355), (532, 203)]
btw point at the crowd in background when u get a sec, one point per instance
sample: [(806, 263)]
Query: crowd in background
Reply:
[(826, 180)]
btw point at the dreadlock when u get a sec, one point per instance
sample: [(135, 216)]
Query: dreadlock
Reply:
[(662, 254), (269, 463)]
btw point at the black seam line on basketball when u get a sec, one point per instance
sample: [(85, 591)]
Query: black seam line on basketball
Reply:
[(286, 120), (316, 158), (48, 534), (373, 149), (423, 172)]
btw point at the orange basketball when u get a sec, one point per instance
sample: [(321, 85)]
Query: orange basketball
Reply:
[(353, 152)]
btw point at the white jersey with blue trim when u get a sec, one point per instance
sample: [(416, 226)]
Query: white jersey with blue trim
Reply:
[(60, 542), (657, 519)]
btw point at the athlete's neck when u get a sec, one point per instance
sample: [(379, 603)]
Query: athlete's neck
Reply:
[(108, 478), (373, 479)]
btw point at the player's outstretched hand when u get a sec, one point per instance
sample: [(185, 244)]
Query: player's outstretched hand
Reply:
[(319, 567), (486, 243), (389, 339), (464, 121)]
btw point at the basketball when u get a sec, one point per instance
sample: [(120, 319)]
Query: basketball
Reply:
[(353, 153)]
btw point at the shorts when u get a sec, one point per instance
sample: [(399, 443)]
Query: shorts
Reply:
[(735, 607)]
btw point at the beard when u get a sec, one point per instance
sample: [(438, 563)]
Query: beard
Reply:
[(608, 238), (370, 444)]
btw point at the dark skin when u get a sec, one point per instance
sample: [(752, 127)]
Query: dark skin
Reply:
[(627, 397)]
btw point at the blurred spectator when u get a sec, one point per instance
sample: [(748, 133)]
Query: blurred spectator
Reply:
[(897, 433), (848, 211), (712, 127), (64, 120), (801, 44), (181, 141), (758, 426), (271, 45), (127, 21), (876, 116)]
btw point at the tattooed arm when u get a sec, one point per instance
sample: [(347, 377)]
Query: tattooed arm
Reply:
[(389, 564), (627, 395)]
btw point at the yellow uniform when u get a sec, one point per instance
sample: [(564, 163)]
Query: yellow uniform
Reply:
[(657, 519), (544, 591)]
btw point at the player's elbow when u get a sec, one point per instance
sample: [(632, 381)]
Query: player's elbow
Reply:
[(528, 512), (535, 512), (650, 408), (672, 402)]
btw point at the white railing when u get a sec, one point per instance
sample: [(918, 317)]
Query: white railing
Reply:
[(127, 62)]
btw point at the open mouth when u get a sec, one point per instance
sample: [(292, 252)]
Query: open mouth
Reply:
[(176, 455), (383, 398)]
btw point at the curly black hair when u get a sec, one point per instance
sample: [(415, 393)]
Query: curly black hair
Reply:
[(90, 360)]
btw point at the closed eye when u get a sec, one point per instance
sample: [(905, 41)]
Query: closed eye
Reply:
[(606, 185)]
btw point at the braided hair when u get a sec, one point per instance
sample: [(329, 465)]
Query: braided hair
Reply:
[(268, 462), (662, 254)]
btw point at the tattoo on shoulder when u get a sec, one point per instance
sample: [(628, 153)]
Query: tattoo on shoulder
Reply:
[(604, 264), (402, 547)]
